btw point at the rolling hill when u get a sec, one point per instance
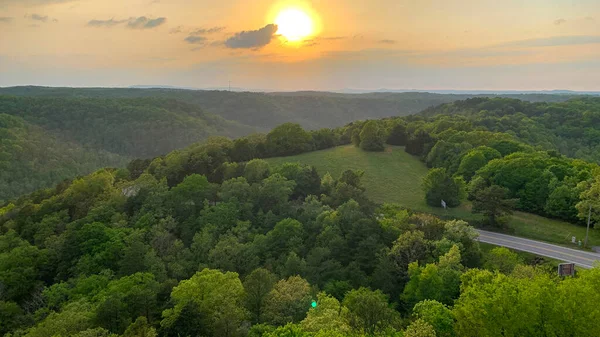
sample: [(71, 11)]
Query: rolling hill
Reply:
[(264, 111), (394, 176), (44, 140)]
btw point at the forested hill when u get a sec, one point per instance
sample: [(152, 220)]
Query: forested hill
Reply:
[(207, 241), (572, 127), (312, 110), (44, 140)]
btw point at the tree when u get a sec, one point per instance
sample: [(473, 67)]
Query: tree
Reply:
[(328, 315), (418, 143), (419, 328), (369, 310), (590, 197), (438, 282), (502, 259), (126, 299), (476, 159), (493, 203), (306, 177), (140, 328), (371, 137), (410, 247), (217, 297), (398, 135), (437, 315), (73, 318), (288, 139), (288, 301), (258, 284), (438, 186), (256, 170)]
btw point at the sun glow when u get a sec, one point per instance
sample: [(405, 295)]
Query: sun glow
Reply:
[(294, 24)]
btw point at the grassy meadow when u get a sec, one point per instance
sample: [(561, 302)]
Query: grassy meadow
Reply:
[(394, 176)]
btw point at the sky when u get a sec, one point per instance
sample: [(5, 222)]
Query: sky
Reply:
[(356, 44)]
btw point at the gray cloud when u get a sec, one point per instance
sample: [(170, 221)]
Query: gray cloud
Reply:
[(387, 41), (559, 22), (144, 23), (175, 30), (207, 30), (105, 23), (5, 19), (141, 22), (331, 38), (553, 41), (37, 17), (195, 39), (252, 39)]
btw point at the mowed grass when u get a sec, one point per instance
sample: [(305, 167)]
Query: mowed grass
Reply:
[(394, 176)]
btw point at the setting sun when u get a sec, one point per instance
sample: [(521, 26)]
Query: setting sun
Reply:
[(294, 24)]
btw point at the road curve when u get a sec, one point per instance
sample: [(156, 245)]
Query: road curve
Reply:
[(580, 258)]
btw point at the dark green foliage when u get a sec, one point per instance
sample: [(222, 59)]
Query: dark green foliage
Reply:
[(438, 186), (494, 203), (46, 140), (398, 135), (419, 143)]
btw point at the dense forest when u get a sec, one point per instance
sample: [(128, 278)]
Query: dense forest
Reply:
[(57, 133), (213, 241), (264, 111), (46, 140), (572, 127), (471, 159), (203, 242)]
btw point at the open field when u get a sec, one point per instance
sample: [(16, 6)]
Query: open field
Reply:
[(394, 176)]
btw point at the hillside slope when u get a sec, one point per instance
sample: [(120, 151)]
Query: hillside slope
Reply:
[(46, 140), (572, 127), (394, 176), (312, 110)]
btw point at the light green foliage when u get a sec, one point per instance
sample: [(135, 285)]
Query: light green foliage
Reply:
[(590, 197), (140, 328), (502, 259), (217, 296), (288, 139), (274, 192), (476, 159), (497, 304), (438, 282), (438, 315), (73, 318), (410, 247), (328, 315), (289, 330), (391, 177), (369, 311), (420, 328), (237, 188), (256, 170), (288, 301), (371, 137)]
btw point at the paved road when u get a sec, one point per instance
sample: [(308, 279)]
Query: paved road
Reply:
[(580, 258)]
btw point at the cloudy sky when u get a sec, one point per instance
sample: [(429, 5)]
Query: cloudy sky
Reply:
[(361, 44)]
